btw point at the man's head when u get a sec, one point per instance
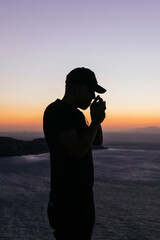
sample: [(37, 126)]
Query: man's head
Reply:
[(81, 85), (84, 76)]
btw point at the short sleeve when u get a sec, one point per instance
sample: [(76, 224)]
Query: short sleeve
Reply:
[(56, 121)]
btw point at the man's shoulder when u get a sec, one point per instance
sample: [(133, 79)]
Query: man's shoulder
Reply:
[(54, 107), (60, 109)]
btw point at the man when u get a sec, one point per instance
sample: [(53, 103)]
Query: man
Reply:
[(71, 204)]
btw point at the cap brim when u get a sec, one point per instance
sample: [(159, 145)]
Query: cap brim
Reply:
[(100, 89)]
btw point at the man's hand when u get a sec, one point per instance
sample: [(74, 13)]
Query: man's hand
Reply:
[(97, 110)]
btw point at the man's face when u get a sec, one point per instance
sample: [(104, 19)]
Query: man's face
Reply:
[(85, 96)]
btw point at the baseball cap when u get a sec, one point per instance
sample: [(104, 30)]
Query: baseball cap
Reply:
[(85, 76)]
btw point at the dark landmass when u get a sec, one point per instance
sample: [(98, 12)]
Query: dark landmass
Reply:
[(16, 147), (150, 129)]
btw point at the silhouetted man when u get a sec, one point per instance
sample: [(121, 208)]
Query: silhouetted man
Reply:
[(71, 205)]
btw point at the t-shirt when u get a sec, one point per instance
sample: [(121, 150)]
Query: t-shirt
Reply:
[(71, 178)]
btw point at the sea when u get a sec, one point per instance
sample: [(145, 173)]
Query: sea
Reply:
[(126, 191)]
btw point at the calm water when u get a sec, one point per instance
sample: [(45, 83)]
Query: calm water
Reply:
[(127, 192)]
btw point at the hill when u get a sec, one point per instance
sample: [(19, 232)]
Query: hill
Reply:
[(15, 147), (151, 129)]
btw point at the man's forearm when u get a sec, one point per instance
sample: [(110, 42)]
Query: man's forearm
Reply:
[(85, 141), (78, 146), (99, 136)]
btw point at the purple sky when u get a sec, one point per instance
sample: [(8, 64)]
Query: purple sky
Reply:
[(41, 41)]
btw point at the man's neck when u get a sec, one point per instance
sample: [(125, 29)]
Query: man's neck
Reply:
[(69, 100)]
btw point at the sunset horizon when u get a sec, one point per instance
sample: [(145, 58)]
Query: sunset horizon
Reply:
[(32, 119)]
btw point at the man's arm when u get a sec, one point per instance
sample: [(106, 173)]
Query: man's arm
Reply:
[(76, 146), (79, 146), (99, 137)]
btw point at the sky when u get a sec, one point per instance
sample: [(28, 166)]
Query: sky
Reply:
[(42, 40)]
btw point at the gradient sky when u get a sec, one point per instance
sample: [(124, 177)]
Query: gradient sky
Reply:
[(41, 41)]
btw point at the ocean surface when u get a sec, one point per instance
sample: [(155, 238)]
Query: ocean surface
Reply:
[(126, 189)]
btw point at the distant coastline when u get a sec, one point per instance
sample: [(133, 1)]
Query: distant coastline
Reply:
[(16, 147), (26, 143), (150, 129)]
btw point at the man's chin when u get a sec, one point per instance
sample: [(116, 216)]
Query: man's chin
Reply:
[(84, 107)]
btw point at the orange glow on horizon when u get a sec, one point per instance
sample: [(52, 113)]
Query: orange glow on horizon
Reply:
[(31, 119), (21, 118), (124, 121)]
